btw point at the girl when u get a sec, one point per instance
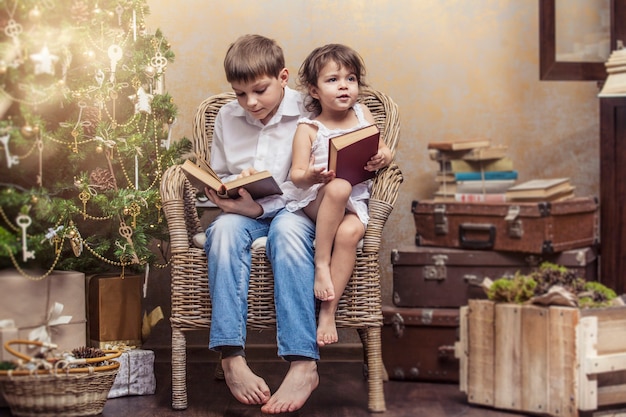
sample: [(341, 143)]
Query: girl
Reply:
[(332, 75)]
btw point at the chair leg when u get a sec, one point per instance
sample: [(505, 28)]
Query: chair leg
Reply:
[(376, 394), (219, 371), (179, 370)]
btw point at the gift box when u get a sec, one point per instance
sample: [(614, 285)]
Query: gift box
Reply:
[(51, 309), (135, 375), (114, 309), (8, 331)]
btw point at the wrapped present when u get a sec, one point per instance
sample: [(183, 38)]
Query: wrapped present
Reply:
[(51, 309), (114, 309), (8, 331), (135, 375)]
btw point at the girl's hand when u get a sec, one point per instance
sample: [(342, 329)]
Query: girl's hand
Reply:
[(247, 172), (380, 160), (318, 175)]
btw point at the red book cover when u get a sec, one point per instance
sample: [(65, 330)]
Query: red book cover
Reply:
[(348, 154)]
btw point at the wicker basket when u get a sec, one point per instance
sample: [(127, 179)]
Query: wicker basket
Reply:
[(58, 392)]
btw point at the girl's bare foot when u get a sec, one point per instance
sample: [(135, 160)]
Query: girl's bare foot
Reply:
[(323, 287), (245, 385), (326, 327), (296, 388)]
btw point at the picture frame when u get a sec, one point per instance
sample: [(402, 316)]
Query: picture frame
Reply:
[(553, 69)]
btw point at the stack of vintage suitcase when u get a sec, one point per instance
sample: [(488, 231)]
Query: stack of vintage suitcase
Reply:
[(457, 246)]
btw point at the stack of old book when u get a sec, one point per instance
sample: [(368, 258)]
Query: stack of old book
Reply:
[(615, 84), (541, 189), (472, 170)]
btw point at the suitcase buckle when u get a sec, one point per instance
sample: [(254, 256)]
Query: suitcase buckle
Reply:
[(513, 222), (397, 324), (441, 220), (436, 272)]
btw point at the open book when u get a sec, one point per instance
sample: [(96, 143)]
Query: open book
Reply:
[(201, 175), (348, 154)]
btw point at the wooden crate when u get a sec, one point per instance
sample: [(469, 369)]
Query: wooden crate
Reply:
[(553, 361)]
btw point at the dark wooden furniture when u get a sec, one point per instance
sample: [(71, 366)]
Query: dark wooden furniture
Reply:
[(552, 70), (613, 193)]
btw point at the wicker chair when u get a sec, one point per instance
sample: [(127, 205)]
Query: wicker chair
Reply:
[(360, 305)]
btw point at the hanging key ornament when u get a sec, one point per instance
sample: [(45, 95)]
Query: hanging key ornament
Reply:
[(39, 145), (23, 221), (11, 159), (115, 55), (84, 196), (127, 232)]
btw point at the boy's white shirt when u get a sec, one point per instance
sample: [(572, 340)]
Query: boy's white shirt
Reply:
[(241, 141)]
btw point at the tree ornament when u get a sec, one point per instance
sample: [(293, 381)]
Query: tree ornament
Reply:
[(3, 67), (102, 178), (80, 11), (23, 221), (76, 240), (150, 71), (27, 131), (133, 210), (142, 101), (84, 196), (44, 61), (11, 159), (35, 14)]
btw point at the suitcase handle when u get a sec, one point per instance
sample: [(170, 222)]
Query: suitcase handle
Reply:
[(477, 227)]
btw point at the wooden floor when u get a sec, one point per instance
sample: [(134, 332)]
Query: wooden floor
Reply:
[(342, 393)]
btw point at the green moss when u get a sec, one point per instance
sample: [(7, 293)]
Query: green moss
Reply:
[(518, 289)]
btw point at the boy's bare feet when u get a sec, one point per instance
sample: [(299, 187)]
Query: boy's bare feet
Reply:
[(245, 385), (323, 288), (296, 388), (326, 327)]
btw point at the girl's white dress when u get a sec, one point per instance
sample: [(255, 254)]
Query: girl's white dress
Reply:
[(298, 198)]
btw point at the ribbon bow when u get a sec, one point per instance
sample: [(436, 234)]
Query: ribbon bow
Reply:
[(54, 318)]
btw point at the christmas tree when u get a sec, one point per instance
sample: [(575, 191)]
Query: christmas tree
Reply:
[(85, 135)]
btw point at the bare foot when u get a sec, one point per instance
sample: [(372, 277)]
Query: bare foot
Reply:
[(326, 327), (296, 388), (324, 289), (245, 385)]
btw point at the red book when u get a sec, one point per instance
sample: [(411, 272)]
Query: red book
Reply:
[(348, 154)]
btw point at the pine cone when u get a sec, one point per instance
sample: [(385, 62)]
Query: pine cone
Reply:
[(80, 11), (90, 114), (102, 179), (85, 352)]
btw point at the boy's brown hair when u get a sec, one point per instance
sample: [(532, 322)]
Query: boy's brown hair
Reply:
[(251, 57)]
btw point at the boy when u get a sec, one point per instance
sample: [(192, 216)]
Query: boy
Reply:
[(254, 133)]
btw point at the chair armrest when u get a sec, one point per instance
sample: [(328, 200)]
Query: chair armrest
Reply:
[(384, 195), (178, 198)]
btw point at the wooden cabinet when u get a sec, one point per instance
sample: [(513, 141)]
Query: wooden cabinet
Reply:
[(613, 193)]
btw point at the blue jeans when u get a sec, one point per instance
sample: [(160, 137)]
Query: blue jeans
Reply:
[(290, 251)]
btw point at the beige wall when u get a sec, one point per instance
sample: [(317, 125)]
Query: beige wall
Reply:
[(456, 68)]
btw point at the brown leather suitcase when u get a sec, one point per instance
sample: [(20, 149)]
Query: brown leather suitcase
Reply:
[(444, 277), (544, 227), (418, 343)]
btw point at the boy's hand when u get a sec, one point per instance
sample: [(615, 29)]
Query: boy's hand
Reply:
[(244, 205)]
